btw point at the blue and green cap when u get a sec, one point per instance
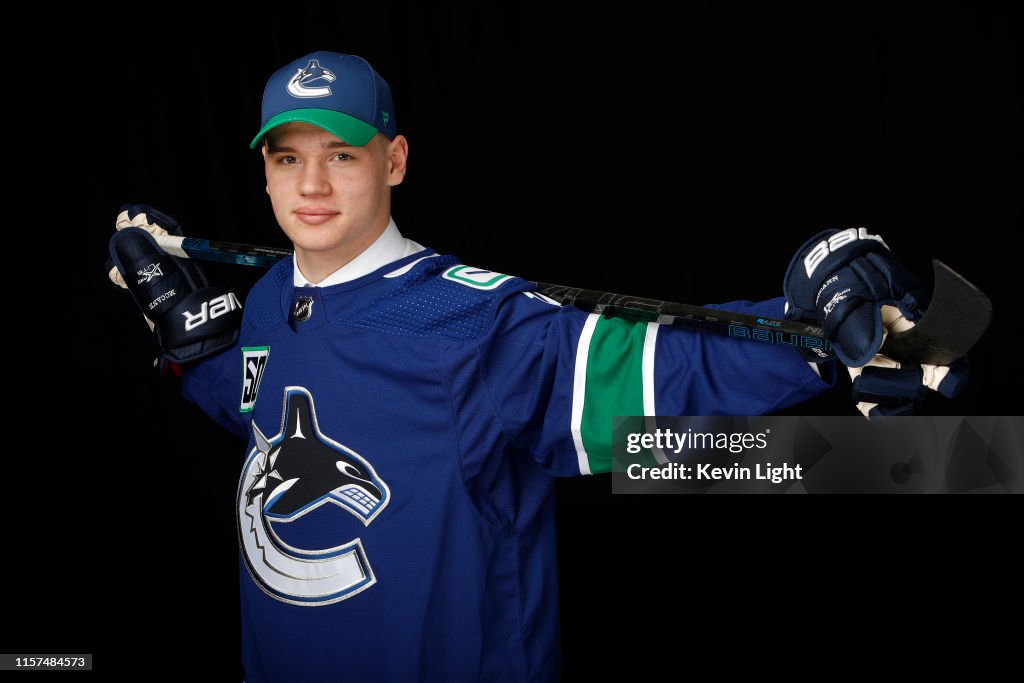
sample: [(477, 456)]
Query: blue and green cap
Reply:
[(340, 93)]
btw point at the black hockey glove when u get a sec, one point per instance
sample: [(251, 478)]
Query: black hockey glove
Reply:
[(190, 318), (848, 282), (839, 279)]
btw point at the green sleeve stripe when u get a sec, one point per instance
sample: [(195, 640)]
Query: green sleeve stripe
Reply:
[(614, 385)]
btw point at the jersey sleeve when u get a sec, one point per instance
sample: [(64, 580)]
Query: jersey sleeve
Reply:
[(559, 376), (214, 385)]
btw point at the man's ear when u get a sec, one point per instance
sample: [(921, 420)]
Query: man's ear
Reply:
[(398, 157), (263, 151)]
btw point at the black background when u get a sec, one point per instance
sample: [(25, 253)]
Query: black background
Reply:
[(680, 157)]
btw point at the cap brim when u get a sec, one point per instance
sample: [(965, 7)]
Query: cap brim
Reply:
[(348, 128)]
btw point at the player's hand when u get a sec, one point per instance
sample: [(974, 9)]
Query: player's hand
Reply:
[(883, 387), (848, 282), (839, 280), (190, 318), (138, 216), (149, 219)]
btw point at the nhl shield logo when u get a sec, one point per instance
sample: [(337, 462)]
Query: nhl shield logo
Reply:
[(303, 309)]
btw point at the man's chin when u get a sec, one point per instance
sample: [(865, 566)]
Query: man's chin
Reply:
[(314, 237), (317, 249)]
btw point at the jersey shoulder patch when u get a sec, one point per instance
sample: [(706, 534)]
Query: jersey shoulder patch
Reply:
[(477, 278)]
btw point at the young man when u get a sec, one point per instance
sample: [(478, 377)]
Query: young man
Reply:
[(406, 414)]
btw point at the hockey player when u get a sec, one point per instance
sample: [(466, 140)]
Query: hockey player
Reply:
[(406, 413)]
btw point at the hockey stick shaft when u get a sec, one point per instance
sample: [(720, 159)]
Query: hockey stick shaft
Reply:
[(223, 252), (714, 320), (705, 319)]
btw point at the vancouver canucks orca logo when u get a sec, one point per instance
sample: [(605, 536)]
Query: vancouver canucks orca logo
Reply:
[(291, 475), (313, 81)]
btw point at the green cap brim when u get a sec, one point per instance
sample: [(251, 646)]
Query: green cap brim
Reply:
[(348, 128)]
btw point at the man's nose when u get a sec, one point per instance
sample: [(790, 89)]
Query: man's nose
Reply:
[(314, 180)]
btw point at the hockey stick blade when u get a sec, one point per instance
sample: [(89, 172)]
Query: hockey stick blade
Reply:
[(957, 317)]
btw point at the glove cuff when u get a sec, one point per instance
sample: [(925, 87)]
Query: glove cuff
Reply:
[(202, 323)]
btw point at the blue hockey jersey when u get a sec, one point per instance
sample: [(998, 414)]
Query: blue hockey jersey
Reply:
[(395, 507)]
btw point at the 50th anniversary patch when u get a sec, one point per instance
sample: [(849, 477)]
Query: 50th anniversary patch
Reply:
[(254, 362)]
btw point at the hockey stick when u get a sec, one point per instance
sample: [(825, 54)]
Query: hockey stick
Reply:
[(957, 317)]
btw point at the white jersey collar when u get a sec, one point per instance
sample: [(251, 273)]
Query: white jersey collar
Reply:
[(390, 246)]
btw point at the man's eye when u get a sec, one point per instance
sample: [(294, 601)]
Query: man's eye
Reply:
[(287, 159), (342, 156)]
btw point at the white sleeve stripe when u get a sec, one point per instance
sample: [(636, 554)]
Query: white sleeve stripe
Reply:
[(648, 368), (579, 385), (647, 374)]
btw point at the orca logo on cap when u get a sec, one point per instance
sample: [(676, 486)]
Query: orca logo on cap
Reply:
[(313, 81)]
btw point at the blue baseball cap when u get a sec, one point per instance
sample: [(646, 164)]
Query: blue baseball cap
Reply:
[(341, 93)]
